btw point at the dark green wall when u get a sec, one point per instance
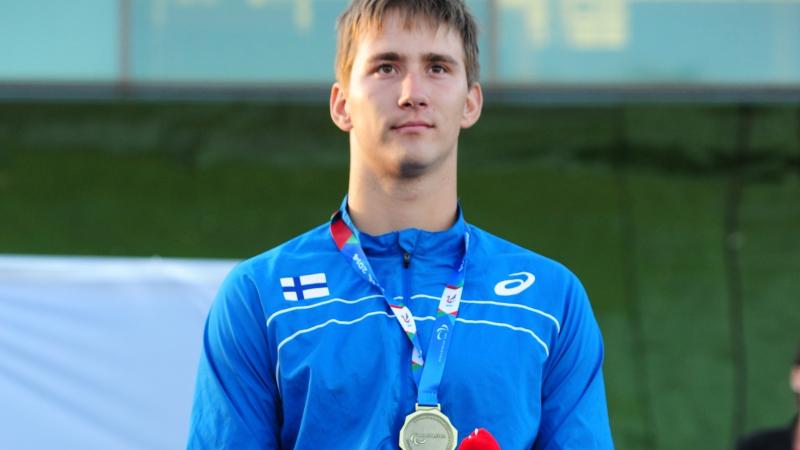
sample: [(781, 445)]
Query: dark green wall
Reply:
[(682, 221)]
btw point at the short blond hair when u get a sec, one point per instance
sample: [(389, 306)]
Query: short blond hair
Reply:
[(364, 14)]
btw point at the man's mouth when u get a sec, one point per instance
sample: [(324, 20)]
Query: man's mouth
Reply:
[(413, 126)]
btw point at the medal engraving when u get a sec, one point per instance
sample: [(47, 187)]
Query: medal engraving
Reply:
[(428, 429)]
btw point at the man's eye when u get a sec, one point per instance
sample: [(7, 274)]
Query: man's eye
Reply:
[(438, 68), (385, 69)]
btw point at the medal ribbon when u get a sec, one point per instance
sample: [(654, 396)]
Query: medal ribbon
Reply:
[(428, 371)]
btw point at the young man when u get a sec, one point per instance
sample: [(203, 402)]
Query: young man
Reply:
[(397, 324)]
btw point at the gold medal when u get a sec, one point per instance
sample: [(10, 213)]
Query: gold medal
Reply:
[(428, 429)]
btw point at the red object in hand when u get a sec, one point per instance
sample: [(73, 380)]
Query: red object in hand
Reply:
[(480, 439)]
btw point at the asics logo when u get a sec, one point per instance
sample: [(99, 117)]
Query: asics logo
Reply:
[(514, 285)]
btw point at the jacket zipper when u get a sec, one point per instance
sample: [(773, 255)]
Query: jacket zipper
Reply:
[(406, 278)]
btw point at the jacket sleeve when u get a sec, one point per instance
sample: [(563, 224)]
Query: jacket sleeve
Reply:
[(236, 403), (574, 411)]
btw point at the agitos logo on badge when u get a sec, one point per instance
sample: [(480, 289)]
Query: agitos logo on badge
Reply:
[(441, 332)]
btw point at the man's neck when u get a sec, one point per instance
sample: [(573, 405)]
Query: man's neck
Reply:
[(378, 206)]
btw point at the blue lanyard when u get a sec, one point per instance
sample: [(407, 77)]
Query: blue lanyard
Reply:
[(427, 371)]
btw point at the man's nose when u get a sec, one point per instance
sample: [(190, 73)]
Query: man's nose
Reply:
[(413, 92)]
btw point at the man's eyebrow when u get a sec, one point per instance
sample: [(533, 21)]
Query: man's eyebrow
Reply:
[(438, 57), (385, 56)]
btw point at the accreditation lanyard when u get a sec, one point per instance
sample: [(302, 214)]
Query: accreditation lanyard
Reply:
[(428, 371)]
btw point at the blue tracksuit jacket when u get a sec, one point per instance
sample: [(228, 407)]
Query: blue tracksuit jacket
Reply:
[(300, 352)]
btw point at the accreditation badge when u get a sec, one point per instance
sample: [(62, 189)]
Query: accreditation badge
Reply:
[(428, 429)]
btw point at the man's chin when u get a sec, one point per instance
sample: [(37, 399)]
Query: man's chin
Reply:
[(410, 169), (415, 161)]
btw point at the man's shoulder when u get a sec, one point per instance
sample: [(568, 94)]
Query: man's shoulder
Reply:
[(312, 244), (502, 271), (500, 254), (307, 255), (537, 292)]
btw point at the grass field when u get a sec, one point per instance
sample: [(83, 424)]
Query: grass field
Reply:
[(632, 199)]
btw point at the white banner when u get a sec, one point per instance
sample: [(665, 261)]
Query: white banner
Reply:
[(100, 353)]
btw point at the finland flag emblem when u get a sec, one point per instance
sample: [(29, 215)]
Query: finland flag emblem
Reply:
[(305, 287)]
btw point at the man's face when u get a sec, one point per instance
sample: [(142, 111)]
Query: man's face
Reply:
[(407, 98)]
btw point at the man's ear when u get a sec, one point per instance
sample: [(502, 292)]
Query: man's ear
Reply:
[(794, 379), (473, 106), (338, 106)]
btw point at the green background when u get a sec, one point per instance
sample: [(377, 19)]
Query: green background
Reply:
[(681, 220)]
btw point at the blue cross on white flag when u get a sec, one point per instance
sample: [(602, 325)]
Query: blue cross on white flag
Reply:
[(305, 287)]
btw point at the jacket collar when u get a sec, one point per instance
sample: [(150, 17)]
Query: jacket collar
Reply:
[(413, 241)]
